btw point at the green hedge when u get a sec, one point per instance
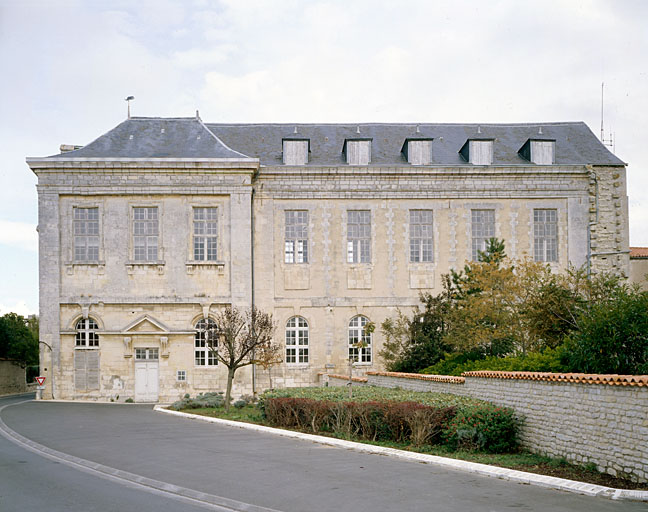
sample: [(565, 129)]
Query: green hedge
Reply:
[(482, 427), (550, 360)]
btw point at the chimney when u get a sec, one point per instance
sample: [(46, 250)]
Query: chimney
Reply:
[(66, 148)]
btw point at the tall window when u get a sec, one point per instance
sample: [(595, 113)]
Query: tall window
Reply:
[(206, 343), (296, 245), (86, 333), (86, 234), (205, 230), (421, 236), (297, 340), (359, 340), (358, 236), (545, 235), (145, 234), (483, 228)]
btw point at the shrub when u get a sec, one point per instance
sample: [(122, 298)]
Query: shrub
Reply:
[(203, 400), (239, 404), (483, 428), (377, 421), (613, 336), (129, 400), (549, 360)]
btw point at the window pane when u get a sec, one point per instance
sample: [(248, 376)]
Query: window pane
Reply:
[(421, 235), (296, 236), (483, 229), (358, 236), (545, 233), (205, 228)]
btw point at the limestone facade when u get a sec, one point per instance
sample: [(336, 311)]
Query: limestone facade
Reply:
[(142, 312)]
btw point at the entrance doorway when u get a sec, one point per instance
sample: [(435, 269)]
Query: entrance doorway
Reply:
[(146, 374)]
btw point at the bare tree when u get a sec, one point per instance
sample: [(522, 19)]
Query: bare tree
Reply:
[(267, 356), (237, 336)]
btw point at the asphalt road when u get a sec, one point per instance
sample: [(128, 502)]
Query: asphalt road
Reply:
[(248, 467)]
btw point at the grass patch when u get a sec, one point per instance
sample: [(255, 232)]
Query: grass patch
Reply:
[(373, 394)]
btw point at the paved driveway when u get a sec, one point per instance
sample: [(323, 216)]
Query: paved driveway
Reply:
[(269, 471)]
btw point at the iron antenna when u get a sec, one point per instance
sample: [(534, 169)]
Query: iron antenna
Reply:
[(128, 100)]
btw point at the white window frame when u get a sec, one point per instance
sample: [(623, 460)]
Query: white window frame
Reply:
[(481, 230), (297, 341), (359, 355), (181, 375), (86, 230), (151, 239), (147, 354), (204, 357), (421, 232), (86, 333), (205, 233), (296, 236), (545, 235), (358, 236)]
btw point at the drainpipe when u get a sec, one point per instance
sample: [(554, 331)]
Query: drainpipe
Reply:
[(252, 278)]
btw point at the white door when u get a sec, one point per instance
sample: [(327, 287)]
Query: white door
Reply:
[(146, 374)]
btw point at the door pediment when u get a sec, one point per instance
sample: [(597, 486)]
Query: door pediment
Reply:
[(146, 324)]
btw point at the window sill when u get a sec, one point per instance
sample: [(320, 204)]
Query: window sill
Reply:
[(99, 265), (210, 265), (297, 365), (86, 348), (132, 265)]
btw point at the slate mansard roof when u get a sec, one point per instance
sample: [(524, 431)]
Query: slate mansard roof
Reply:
[(188, 138)]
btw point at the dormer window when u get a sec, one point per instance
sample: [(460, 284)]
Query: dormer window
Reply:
[(478, 151), (295, 151), (539, 151), (418, 151), (357, 151)]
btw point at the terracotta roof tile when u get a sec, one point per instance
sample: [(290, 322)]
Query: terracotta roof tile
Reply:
[(346, 377), (419, 376), (583, 378), (639, 252)]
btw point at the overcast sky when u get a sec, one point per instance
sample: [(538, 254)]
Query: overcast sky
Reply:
[(67, 66)]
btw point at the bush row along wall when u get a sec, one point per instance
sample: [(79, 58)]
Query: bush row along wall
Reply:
[(597, 419), (12, 377)]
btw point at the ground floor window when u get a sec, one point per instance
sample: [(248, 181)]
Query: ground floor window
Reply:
[(206, 343), (359, 340)]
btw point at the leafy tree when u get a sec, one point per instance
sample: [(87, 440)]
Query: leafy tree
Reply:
[(239, 335), (613, 334), (415, 343), (17, 340)]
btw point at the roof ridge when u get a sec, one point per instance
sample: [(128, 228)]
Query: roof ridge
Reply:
[(218, 140)]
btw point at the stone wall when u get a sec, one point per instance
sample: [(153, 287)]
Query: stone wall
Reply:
[(597, 419), (12, 378)]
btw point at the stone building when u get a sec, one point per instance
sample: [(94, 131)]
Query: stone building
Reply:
[(639, 267), (150, 229)]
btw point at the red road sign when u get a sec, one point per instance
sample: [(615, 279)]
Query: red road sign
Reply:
[(40, 380)]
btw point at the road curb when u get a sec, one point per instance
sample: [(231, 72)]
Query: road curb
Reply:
[(512, 475)]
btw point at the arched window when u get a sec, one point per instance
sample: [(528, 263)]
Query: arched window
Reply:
[(206, 343), (86, 333), (359, 340), (297, 340)]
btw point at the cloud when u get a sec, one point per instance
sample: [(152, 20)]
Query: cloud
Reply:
[(21, 235), (18, 306)]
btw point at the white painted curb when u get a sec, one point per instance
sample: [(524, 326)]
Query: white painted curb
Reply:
[(461, 465)]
